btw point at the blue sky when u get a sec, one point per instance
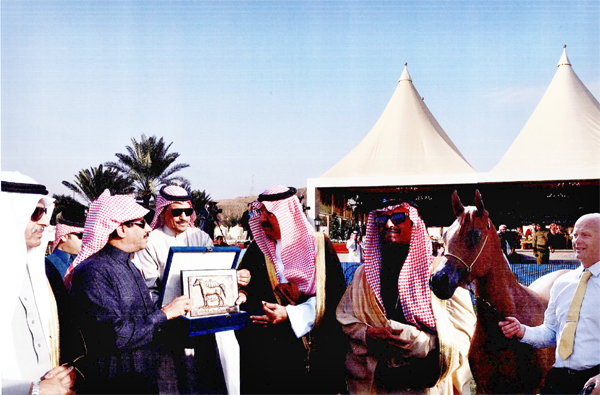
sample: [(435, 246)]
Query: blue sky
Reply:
[(258, 94)]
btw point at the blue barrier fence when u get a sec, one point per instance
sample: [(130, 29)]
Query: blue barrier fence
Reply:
[(349, 268), (529, 272), (526, 272)]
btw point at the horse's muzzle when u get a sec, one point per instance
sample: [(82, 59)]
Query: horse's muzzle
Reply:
[(444, 281)]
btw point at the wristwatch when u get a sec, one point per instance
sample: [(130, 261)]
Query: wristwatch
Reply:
[(35, 389)]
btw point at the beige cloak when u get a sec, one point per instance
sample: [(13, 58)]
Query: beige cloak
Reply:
[(455, 324)]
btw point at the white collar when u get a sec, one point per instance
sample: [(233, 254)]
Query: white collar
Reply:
[(595, 268), (169, 232)]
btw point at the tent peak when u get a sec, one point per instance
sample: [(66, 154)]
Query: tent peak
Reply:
[(564, 59), (405, 76)]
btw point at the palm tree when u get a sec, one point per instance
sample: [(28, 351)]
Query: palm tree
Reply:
[(67, 206), (90, 184), (199, 200), (149, 166)]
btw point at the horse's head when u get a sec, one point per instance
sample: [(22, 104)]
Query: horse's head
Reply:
[(468, 245)]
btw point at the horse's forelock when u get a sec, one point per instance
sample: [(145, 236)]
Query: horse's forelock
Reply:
[(468, 230)]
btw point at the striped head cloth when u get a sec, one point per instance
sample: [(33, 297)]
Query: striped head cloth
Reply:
[(413, 281), (105, 214), (298, 245), (63, 228), (167, 195)]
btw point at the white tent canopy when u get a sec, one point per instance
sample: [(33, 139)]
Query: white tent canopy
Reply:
[(407, 147), (561, 139), (405, 141)]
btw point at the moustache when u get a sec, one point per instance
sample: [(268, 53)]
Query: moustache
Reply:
[(392, 230), (38, 229)]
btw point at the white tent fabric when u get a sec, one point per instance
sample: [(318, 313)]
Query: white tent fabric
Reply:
[(405, 141), (561, 139)]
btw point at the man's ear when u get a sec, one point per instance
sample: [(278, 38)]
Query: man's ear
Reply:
[(64, 238), (121, 231)]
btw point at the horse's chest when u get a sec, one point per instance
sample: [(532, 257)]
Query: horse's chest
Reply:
[(501, 365)]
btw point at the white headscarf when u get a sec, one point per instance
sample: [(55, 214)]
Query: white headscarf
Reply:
[(15, 211)]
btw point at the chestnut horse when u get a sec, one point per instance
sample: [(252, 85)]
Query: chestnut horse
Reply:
[(473, 255)]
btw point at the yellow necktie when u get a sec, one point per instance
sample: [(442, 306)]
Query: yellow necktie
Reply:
[(565, 348)]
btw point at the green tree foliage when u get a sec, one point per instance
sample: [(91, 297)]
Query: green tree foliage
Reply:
[(199, 200), (90, 183), (149, 165), (64, 204)]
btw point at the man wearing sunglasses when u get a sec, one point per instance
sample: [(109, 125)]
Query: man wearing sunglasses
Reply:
[(29, 326), (403, 337), (173, 226), (118, 318), (67, 244)]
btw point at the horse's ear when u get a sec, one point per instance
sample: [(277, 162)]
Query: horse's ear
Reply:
[(457, 205), (479, 204)]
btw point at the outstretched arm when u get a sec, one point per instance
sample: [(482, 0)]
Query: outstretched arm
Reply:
[(512, 327)]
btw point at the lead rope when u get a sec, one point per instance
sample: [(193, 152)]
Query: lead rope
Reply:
[(476, 258), (471, 286)]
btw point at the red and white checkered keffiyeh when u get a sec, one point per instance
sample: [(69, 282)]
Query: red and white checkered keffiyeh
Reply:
[(298, 245), (162, 202), (105, 214), (63, 230), (414, 293)]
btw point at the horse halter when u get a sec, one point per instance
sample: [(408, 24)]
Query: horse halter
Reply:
[(469, 267)]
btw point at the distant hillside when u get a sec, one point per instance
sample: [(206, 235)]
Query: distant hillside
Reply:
[(236, 207)]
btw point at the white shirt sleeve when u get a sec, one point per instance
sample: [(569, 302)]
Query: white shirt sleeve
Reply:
[(539, 336), (302, 316), (544, 335)]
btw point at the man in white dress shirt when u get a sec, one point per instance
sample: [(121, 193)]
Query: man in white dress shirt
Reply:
[(173, 226), (580, 366)]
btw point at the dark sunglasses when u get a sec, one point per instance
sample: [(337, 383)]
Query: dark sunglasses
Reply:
[(78, 235), (176, 212), (141, 223), (38, 213), (397, 218)]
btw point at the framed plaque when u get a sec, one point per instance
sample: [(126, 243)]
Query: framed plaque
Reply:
[(208, 276), (194, 258), (213, 292)]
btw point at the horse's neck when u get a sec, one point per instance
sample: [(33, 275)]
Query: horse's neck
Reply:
[(499, 286)]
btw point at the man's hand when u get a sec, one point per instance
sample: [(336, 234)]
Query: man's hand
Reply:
[(177, 307), (58, 381), (596, 382), (512, 327), (386, 337), (242, 297), (243, 277), (274, 314), (66, 375)]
